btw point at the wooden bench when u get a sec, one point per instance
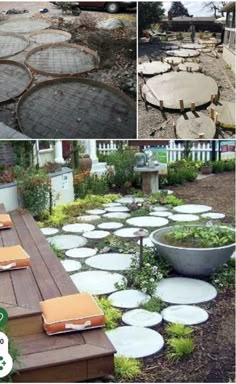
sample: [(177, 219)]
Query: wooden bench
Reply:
[(63, 358)]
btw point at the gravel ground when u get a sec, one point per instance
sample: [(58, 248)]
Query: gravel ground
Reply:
[(152, 123)]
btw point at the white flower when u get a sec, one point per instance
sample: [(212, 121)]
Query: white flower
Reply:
[(148, 265), (154, 269), (152, 280), (144, 290)]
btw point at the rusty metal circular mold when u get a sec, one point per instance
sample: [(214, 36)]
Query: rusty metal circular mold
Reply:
[(49, 36), (61, 59), (183, 53), (172, 87), (15, 78), (24, 25), (11, 44), (76, 108)]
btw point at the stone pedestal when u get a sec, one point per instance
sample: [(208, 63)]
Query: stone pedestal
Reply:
[(150, 179)]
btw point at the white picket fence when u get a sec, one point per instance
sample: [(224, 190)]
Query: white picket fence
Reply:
[(200, 151)]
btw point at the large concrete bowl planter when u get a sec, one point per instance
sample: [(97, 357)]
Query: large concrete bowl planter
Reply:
[(191, 261)]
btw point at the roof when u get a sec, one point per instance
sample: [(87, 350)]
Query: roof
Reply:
[(188, 18), (229, 7)]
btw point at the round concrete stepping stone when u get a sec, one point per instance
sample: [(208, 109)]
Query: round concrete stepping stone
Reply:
[(95, 211), (226, 113), (184, 217), (23, 25), (184, 314), (130, 199), (192, 208), (147, 221), (64, 242), (128, 298), (78, 228), (112, 205), (117, 209), (97, 282), (71, 265), (192, 127), (153, 68), (81, 253), (141, 318), (147, 242), (116, 215), (88, 218), (99, 234), (48, 231), (184, 290), (126, 232), (110, 225), (160, 209), (173, 60), (213, 215), (135, 342), (161, 214), (111, 261), (191, 67), (183, 53), (192, 46)]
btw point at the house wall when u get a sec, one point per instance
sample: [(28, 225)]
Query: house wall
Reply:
[(9, 196), (229, 58)]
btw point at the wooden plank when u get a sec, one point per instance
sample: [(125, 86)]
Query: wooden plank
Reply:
[(100, 366), (62, 279), (46, 284), (98, 337)]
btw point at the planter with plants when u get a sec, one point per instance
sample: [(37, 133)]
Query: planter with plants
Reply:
[(195, 250), (206, 168)]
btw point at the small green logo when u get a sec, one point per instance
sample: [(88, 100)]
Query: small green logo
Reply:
[(3, 317), (2, 363)]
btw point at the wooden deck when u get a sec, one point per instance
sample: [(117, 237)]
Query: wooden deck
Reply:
[(63, 358)]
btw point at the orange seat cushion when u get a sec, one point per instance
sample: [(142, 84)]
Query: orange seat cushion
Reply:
[(15, 256), (71, 313), (5, 221)]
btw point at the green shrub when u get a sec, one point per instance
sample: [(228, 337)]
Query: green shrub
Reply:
[(154, 305), (164, 199), (127, 368), (223, 166), (224, 277), (58, 252), (113, 315), (178, 330), (180, 348)]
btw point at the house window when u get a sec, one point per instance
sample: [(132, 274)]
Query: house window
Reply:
[(44, 145)]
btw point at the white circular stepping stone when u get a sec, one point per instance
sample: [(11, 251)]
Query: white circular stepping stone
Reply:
[(63, 242), (192, 208), (49, 231), (184, 314), (135, 342), (116, 215), (110, 225), (126, 232), (161, 214), (184, 217), (81, 253), (192, 67), (111, 261), (130, 199), (153, 68), (184, 290), (97, 282), (117, 209), (147, 221), (141, 318), (213, 215), (173, 60), (71, 265), (88, 218), (95, 211), (147, 242), (98, 234), (128, 298), (112, 205), (160, 209), (78, 228)]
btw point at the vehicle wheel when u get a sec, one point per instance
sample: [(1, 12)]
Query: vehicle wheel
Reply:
[(112, 7)]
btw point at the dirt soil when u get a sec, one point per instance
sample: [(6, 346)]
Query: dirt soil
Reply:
[(116, 48), (152, 123)]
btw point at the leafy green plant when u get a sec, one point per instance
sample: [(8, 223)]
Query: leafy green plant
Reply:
[(180, 348), (91, 184), (127, 368), (223, 166), (59, 253), (163, 198), (224, 277), (200, 236), (154, 305), (15, 354), (174, 201), (113, 315), (178, 330)]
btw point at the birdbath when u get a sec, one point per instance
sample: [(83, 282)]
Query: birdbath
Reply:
[(150, 178)]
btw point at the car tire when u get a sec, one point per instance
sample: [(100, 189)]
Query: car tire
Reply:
[(112, 7)]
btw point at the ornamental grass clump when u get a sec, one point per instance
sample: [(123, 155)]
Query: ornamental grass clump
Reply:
[(127, 368)]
